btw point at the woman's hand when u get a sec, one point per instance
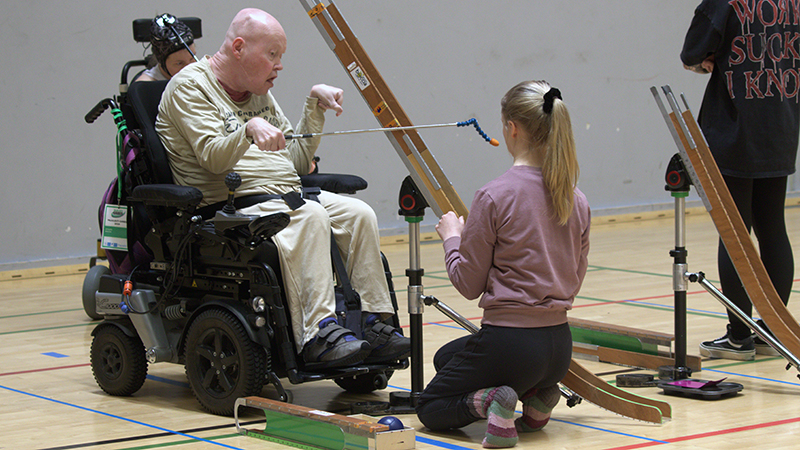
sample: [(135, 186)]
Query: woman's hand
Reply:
[(450, 225)]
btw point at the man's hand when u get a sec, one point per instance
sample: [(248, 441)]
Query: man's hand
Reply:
[(328, 97), (264, 135), (450, 225)]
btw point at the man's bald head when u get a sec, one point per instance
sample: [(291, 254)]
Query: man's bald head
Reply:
[(252, 24), (250, 57)]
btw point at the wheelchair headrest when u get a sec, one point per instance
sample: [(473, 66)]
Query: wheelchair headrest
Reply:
[(144, 97)]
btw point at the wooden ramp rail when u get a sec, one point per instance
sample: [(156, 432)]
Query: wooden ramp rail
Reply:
[(708, 181), (640, 348), (421, 164), (433, 183), (309, 428)]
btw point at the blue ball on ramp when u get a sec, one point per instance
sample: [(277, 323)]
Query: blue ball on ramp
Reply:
[(393, 422)]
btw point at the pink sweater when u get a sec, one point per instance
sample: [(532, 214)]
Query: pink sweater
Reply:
[(527, 266)]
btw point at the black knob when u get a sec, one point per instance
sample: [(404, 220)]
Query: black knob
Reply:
[(233, 181)]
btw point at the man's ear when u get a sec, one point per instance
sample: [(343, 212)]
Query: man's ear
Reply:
[(237, 46)]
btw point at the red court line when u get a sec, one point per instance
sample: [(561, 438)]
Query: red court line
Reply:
[(581, 306), (710, 434), (44, 370), (655, 297)]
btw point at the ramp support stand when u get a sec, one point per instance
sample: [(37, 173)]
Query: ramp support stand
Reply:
[(678, 184), (412, 207)]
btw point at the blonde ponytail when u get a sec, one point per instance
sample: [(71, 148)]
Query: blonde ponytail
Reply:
[(560, 169), (549, 127)]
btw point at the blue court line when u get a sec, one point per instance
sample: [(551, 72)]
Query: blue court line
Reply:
[(55, 355), (425, 440), (446, 445), (458, 327), (672, 307), (752, 376), (168, 381), (418, 438), (119, 417), (609, 431)]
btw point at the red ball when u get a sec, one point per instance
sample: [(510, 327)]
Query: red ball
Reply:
[(393, 422)]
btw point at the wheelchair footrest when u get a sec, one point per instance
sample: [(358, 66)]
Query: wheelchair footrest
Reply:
[(297, 377)]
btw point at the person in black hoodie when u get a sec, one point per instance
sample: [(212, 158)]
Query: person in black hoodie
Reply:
[(750, 117)]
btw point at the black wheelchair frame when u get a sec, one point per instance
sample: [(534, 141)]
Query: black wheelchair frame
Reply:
[(210, 294)]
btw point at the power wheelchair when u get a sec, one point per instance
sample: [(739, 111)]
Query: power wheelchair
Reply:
[(200, 287)]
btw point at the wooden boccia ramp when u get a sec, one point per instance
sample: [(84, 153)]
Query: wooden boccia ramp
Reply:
[(625, 346), (439, 193), (308, 428), (707, 179)]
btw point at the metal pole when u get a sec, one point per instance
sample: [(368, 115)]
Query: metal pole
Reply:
[(679, 283), (415, 309), (763, 334)]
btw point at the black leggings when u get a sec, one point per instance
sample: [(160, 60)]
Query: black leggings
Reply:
[(521, 358), (761, 202)]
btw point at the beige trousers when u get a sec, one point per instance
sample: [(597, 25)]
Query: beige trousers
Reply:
[(305, 258)]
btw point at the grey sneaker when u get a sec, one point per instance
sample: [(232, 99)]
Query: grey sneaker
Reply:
[(386, 342), (728, 348), (762, 348), (334, 346)]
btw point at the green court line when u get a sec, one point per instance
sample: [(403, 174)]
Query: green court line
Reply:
[(638, 272), (182, 442), (48, 328), (40, 313), (639, 305), (740, 363)]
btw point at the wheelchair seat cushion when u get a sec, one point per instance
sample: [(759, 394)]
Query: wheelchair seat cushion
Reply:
[(334, 182), (170, 195)]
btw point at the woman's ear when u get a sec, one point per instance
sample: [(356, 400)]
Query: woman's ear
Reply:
[(513, 129)]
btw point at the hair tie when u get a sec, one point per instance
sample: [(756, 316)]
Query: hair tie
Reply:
[(549, 98)]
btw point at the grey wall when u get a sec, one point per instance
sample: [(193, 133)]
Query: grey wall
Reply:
[(444, 61)]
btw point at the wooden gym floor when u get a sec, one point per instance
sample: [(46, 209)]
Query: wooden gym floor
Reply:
[(49, 399)]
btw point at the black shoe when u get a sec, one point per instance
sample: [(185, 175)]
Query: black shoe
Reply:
[(728, 348), (334, 346), (386, 342), (762, 348)]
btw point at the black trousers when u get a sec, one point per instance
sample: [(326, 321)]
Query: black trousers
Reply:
[(761, 203), (521, 358)]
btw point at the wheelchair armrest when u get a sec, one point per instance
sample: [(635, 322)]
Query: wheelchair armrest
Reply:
[(169, 195), (334, 182)]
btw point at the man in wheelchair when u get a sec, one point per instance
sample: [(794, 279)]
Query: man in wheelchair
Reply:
[(218, 116)]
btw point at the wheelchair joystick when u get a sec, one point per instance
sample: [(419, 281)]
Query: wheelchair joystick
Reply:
[(227, 217), (232, 182)]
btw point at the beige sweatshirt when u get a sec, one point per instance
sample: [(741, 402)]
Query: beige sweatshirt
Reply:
[(203, 131)]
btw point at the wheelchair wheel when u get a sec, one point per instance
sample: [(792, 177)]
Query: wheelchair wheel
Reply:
[(364, 384), (222, 362), (118, 361), (90, 284)]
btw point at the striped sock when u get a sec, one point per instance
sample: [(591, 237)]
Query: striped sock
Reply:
[(497, 406), (537, 404)]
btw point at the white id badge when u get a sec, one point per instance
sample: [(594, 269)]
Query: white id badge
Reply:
[(115, 228)]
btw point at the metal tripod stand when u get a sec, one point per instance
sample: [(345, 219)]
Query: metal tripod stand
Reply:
[(678, 183), (412, 208)]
